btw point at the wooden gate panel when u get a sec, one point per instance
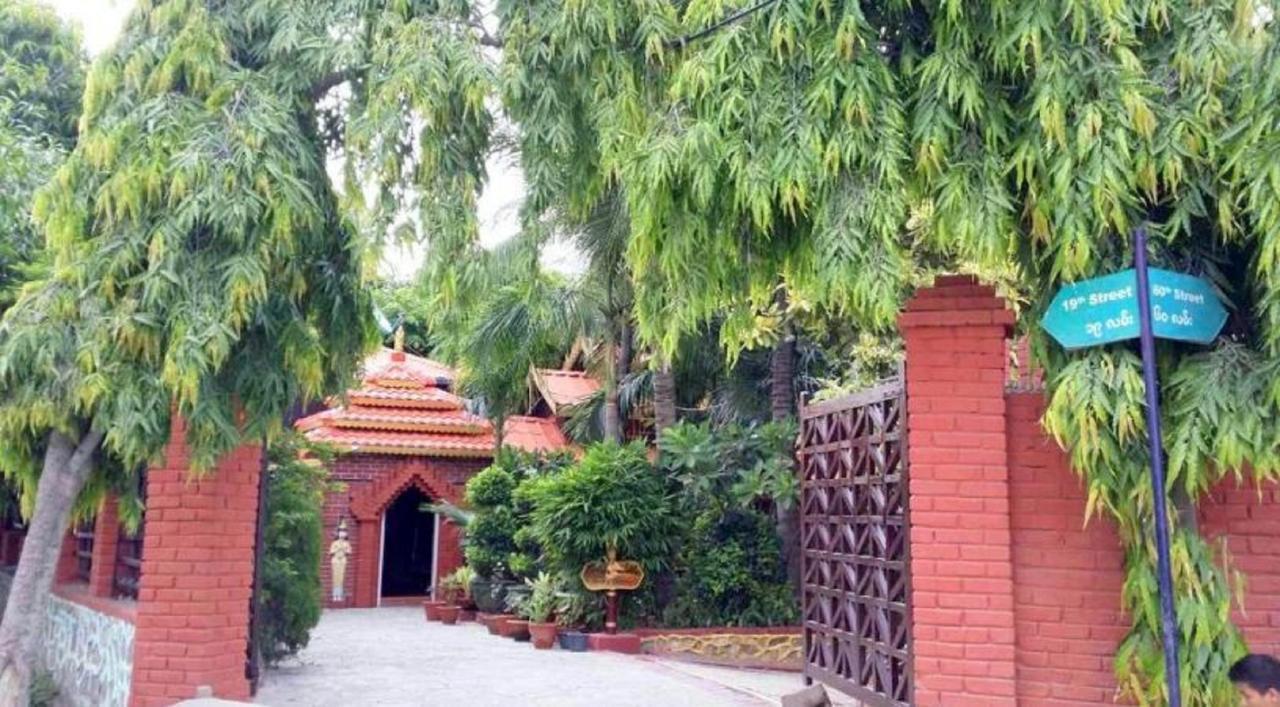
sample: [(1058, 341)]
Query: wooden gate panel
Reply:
[(855, 536)]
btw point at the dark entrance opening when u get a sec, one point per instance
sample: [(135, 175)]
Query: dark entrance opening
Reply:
[(408, 546)]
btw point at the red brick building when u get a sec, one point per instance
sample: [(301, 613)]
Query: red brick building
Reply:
[(404, 441)]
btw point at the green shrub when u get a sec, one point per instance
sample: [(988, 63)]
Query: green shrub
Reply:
[(490, 488), (293, 548), (730, 573), (611, 498), (497, 544)]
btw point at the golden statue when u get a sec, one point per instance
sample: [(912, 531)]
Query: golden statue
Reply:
[(399, 341), (339, 551)]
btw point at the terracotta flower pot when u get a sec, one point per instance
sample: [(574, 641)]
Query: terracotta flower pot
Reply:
[(517, 629), (494, 622), (449, 614), (543, 635), (432, 609), (467, 614)]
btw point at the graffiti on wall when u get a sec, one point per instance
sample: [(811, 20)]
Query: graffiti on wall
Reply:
[(89, 654)]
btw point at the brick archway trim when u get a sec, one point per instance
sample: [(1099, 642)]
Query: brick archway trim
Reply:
[(369, 505)]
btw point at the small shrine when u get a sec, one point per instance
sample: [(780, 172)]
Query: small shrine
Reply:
[(405, 440)]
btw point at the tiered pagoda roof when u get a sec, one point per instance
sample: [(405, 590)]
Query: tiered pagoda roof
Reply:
[(405, 406)]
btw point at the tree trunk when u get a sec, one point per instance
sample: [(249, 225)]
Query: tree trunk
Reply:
[(612, 418), (664, 399), (66, 468), (782, 407)]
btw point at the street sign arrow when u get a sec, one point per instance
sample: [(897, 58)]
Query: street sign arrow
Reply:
[(1105, 310)]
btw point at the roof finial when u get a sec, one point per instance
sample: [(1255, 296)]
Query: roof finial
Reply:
[(399, 345)]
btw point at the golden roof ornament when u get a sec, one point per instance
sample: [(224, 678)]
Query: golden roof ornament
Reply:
[(399, 345)]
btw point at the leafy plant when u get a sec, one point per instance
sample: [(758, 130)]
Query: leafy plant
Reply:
[(611, 499), (730, 573), (456, 586), (293, 547), (732, 465), (542, 601), (579, 608)]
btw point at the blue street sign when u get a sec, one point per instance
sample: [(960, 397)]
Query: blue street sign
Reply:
[(1105, 309)]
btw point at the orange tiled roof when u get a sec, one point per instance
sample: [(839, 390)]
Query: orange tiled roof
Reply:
[(564, 388), (404, 406), (534, 434)]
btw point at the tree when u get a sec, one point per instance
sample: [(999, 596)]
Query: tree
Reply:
[(41, 80), (203, 263), (839, 147)]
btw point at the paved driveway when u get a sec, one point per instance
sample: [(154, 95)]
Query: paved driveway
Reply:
[(392, 656)]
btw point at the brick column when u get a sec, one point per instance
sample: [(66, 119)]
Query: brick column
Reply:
[(106, 535), (961, 544), (197, 572), (368, 553), (67, 569)]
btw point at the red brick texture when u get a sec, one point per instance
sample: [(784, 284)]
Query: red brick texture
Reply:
[(961, 562), (197, 572), (1014, 598), (1067, 576), (368, 483), (106, 536), (1248, 517)]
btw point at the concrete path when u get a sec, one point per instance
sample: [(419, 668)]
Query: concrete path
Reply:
[(392, 656)]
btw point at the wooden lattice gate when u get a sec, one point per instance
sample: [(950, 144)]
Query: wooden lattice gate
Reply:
[(855, 536)]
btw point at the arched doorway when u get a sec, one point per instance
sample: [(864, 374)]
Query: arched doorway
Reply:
[(410, 537)]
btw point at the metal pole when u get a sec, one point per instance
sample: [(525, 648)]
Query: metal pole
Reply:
[(1168, 620)]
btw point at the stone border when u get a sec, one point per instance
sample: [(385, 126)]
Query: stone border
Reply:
[(765, 648)]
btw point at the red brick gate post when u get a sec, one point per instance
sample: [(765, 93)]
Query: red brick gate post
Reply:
[(197, 575), (961, 549)]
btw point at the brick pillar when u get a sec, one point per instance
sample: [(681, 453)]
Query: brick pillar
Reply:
[(367, 561), (961, 543), (197, 572), (67, 569), (106, 535)]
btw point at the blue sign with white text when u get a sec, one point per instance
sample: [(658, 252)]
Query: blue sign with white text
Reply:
[(1105, 309)]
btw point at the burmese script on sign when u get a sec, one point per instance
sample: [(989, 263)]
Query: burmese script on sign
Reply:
[(1105, 309)]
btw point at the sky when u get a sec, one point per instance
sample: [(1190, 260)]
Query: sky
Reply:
[(101, 22)]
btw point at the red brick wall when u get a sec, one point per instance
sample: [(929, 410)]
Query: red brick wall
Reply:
[(366, 478), (961, 564), (1249, 518), (1067, 576), (1013, 596), (197, 573)]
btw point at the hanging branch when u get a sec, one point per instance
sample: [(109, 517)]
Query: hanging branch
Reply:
[(731, 19)]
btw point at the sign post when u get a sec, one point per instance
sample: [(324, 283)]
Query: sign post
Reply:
[(1143, 303), (1147, 344)]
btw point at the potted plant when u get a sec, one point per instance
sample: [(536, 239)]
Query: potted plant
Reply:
[(431, 607), (577, 610), (515, 625), (449, 614), (539, 610)]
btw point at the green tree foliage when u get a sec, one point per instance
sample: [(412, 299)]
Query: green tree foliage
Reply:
[(41, 78), (41, 71), (203, 262), (842, 146), (610, 499), (403, 304), (289, 595), (733, 479)]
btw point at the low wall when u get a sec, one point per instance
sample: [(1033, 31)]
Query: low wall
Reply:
[(765, 648), (88, 652)]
